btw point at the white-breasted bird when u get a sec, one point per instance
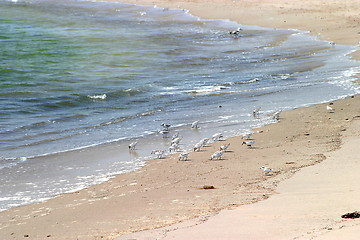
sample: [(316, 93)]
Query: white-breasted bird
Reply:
[(164, 133), (205, 141), (328, 108), (276, 115), (176, 140), (183, 156), (246, 136), (132, 145), (174, 147), (202, 143), (266, 170), (224, 147), (165, 126), (175, 135), (256, 112), (248, 143), (195, 125), (198, 146), (235, 33), (217, 155), (217, 136), (158, 153)]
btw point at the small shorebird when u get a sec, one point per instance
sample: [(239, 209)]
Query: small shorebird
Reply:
[(132, 145), (164, 133), (205, 141), (217, 155), (176, 140), (266, 170), (235, 33), (328, 108), (198, 146), (256, 112), (248, 143), (202, 143), (175, 135), (183, 156), (195, 124), (165, 126), (276, 115), (217, 136), (246, 136), (224, 147), (174, 147), (158, 153)]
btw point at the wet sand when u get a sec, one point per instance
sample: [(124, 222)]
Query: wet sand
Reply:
[(167, 191)]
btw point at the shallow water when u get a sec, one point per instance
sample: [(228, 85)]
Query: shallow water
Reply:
[(78, 74)]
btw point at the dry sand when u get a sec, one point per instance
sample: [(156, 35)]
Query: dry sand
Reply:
[(309, 205), (168, 191)]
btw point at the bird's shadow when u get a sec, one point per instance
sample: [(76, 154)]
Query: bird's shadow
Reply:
[(133, 153), (220, 159), (248, 139), (227, 151), (252, 148), (201, 150), (186, 160), (195, 129)]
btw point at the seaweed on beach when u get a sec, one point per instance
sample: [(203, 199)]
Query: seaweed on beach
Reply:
[(352, 215)]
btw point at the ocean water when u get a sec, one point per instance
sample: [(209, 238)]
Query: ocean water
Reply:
[(79, 80)]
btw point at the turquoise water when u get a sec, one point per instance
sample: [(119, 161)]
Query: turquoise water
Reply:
[(78, 74)]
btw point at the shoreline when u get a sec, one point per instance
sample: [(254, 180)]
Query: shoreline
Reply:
[(311, 16), (187, 201), (167, 191)]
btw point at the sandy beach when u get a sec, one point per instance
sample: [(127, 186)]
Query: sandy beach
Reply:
[(312, 150), (309, 205)]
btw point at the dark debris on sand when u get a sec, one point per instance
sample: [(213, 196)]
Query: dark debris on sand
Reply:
[(352, 215)]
